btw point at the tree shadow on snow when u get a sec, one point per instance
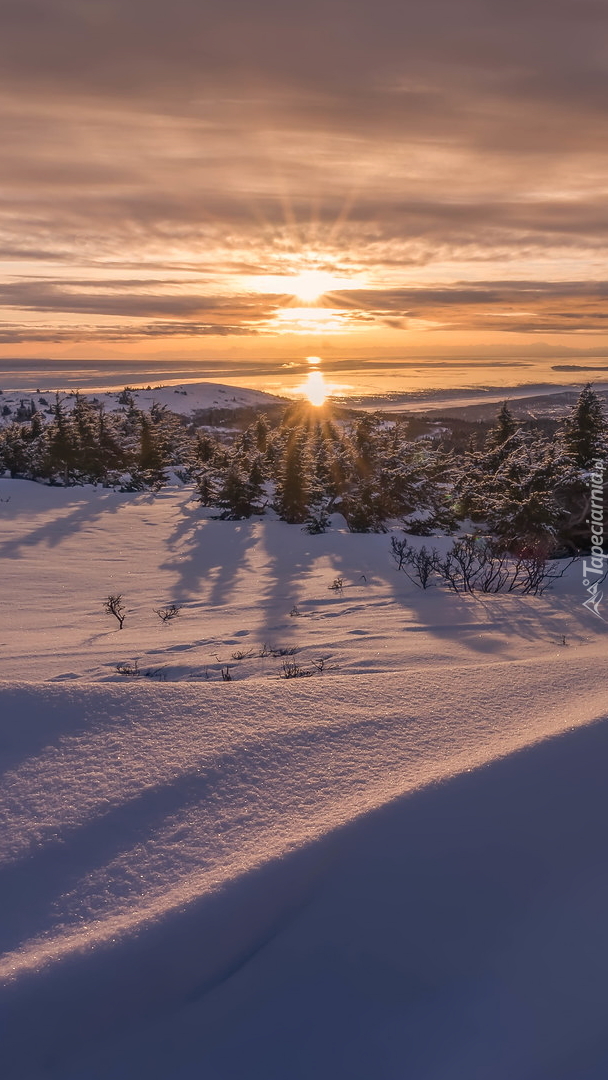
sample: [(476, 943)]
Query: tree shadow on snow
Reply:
[(207, 556)]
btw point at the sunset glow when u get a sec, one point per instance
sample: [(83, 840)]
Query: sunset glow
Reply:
[(315, 388), (303, 539), (312, 284), (401, 188), (307, 320)]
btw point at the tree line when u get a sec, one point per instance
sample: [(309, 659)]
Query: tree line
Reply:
[(517, 483)]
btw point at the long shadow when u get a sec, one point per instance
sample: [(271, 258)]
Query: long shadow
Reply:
[(291, 556), (361, 559), (34, 883), (36, 717), (208, 552), (32, 886), (286, 563), (54, 531), (475, 617), (459, 928)]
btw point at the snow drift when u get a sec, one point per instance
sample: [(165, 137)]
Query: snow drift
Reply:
[(208, 888)]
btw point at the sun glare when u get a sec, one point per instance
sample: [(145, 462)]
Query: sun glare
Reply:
[(310, 285), (315, 388), (309, 320)]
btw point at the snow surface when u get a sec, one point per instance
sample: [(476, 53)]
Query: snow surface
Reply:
[(389, 869), (182, 398), (446, 401)]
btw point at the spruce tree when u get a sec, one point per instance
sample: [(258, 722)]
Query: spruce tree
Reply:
[(584, 433), (504, 427), (294, 482), (149, 470), (241, 491), (62, 446), (15, 451), (205, 448), (261, 433)]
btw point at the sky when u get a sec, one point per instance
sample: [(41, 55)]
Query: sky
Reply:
[(254, 181)]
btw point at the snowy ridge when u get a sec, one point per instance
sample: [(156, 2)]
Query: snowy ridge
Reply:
[(139, 816), (223, 879), (199, 791), (182, 397)]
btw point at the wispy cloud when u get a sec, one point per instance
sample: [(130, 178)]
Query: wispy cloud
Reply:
[(155, 156)]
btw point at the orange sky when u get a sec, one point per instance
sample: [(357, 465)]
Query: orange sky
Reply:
[(256, 181)]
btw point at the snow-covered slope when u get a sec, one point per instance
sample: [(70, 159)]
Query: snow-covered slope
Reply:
[(262, 877), (182, 398)]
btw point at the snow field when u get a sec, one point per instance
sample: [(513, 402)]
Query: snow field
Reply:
[(357, 873)]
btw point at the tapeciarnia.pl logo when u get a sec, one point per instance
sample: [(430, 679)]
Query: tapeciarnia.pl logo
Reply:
[(594, 571)]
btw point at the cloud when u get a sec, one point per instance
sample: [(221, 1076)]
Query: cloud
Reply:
[(15, 334), (439, 144), (508, 306)]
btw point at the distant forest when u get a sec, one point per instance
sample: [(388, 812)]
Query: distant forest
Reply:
[(526, 487)]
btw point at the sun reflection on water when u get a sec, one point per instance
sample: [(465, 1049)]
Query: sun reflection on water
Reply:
[(315, 388)]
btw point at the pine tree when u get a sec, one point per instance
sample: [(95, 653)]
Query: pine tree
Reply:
[(519, 501), (241, 491), (584, 434), (207, 486), (149, 469), (111, 455), (365, 442), (84, 427), (15, 451), (261, 433), (504, 427), (294, 483), (205, 448), (62, 445)]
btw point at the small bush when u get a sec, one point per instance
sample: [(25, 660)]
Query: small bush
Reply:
[(270, 650), (129, 669), (292, 670), (421, 562), (165, 614), (318, 521), (478, 564), (113, 605), (320, 664)]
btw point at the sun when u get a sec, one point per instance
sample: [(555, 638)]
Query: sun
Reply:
[(310, 285), (315, 388), (307, 286)]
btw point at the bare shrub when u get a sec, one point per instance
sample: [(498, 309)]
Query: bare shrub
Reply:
[(292, 670), (165, 614), (240, 654), (226, 676), (479, 564), (270, 650), (113, 605), (129, 669), (320, 664), (420, 561)]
